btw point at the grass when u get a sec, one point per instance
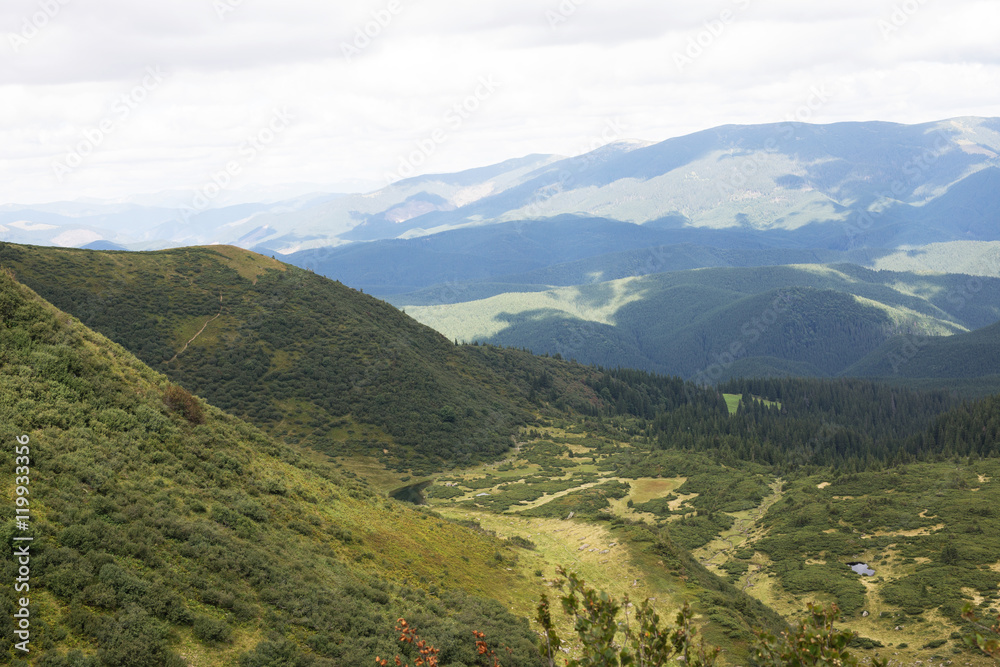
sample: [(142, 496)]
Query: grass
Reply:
[(373, 472), (745, 529), (733, 402), (628, 567), (558, 544), (247, 265), (478, 320), (253, 505), (646, 488)]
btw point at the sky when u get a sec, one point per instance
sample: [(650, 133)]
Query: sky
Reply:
[(118, 98)]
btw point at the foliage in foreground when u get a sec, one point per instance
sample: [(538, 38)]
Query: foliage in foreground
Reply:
[(984, 638), (645, 642), (610, 638), (813, 642)]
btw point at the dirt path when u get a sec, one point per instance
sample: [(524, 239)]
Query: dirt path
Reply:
[(195, 336)]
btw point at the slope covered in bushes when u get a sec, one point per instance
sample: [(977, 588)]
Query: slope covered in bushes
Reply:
[(299, 355), (166, 532)]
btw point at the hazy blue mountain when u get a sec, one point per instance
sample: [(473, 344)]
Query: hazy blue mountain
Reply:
[(103, 245), (833, 187), (861, 181), (476, 253), (138, 227), (788, 192)]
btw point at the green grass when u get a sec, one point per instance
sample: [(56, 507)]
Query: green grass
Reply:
[(901, 522), (602, 517)]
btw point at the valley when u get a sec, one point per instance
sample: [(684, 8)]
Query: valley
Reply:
[(574, 333), (747, 499), (783, 561)]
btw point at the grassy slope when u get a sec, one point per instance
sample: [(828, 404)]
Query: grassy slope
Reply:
[(521, 380), (157, 536), (302, 356), (975, 258), (143, 516)]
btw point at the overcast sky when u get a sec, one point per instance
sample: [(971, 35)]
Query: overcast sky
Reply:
[(109, 98)]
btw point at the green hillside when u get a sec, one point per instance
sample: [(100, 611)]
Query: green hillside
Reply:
[(712, 324), (167, 532), (145, 501), (976, 258), (807, 478), (305, 358), (973, 258), (975, 354)]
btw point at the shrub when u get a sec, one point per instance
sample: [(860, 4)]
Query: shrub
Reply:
[(211, 631), (597, 624), (523, 542), (279, 653), (813, 642), (180, 400)]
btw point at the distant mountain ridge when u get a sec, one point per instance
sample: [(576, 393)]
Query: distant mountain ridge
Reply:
[(713, 324), (837, 186)]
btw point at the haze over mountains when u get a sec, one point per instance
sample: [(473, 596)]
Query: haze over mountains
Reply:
[(836, 186)]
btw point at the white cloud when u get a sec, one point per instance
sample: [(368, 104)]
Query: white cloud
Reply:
[(561, 81)]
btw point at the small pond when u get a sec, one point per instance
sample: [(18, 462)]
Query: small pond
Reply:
[(862, 569)]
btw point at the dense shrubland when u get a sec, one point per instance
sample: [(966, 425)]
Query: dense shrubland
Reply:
[(159, 520)]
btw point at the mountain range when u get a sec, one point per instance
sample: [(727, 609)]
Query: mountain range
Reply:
[(718, 369), (838, 186), (648, 255), (716, 323)]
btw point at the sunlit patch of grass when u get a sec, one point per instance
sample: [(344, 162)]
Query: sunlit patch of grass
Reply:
[(908, 319), (249, 266), (481, 319), (622, 571), (377, 475), (645, 489)]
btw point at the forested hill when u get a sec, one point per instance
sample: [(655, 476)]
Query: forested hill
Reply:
[(971, 430), (789, 424), (302, 356), (964, 355), (722, 323), (163, 527), (318, 363)]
